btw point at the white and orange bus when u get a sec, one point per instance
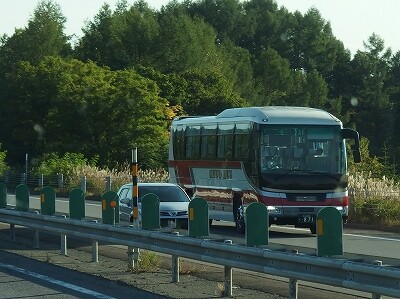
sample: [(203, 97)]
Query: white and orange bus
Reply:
[(292, 159)]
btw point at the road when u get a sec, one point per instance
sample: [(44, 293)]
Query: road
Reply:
[(22, 277)]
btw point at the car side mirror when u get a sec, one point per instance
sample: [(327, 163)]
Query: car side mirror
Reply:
[(126, 201)]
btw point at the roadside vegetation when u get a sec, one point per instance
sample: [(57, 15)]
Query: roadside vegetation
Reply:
[(78, 108), (374, 190)]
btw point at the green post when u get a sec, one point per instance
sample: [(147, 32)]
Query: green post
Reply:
[(256, 224), (110, 208), (48, 201), (198, 218), (3, 196), (76, 204), (150, 211), (22, 198), (329, 232)]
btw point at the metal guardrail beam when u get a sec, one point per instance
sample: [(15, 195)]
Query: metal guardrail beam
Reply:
[(384, 280)]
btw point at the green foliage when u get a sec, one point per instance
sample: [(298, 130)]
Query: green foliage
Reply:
[(3, 166), (148, 261), (78, 102), (52, 164), (368, 165), (208, 94), (375, 210)]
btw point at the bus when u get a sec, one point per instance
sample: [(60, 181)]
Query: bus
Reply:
[(292, 159)]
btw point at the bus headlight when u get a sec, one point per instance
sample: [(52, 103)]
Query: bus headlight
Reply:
[(342, 210)]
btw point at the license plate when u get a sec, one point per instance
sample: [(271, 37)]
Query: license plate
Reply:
[(306, 218)]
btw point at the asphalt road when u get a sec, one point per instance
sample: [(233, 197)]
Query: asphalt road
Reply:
[(110, 275), (22, 277)]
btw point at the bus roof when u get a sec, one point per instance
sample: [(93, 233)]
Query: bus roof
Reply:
[(268, 115)]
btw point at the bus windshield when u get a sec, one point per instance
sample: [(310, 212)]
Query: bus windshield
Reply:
[(302, 149)]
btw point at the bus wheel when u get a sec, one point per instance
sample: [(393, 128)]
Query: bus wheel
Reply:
[(239, 219), (313, 229)]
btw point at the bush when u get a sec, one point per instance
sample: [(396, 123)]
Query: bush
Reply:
[(374, 201), (3, 166)]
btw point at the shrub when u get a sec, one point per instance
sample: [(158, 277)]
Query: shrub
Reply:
[(3, 166), (374, 201)]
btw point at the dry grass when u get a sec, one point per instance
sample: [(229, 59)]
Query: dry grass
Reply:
[(96, 178), (374, 201)]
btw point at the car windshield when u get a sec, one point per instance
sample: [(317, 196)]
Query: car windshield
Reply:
[(164, 193)]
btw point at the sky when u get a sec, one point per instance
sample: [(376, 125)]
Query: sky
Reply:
[(352, 21)]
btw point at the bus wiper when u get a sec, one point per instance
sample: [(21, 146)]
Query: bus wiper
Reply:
[(288, 171), (305, 171)]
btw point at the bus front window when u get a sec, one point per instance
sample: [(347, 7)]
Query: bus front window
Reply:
[(302, 149)]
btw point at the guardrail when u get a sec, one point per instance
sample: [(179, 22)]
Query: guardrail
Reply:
[(375, 279)]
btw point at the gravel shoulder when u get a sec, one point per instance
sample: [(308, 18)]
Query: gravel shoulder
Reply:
[(196, 280)]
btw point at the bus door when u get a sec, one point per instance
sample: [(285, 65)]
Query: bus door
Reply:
[(254, 158)]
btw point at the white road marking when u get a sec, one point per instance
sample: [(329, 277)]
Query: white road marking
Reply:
[(371, 237), (56, 282), (350, 235)]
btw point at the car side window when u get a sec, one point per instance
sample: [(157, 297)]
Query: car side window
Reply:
[(124, 193)]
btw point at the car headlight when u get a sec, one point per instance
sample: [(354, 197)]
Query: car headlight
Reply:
[(274, 210)]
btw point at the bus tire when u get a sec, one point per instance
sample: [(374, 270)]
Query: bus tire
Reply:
[(313, 229), (239, 219)]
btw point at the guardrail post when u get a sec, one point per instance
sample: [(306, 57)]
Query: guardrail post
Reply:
[(95, 251), (374, 295), (47, 201), (228, 276), (110, 208), (150, 212), (23, 178), (22, 198), (175, 264), (257, 224), (133, 257), (108, 183), (3, 196), (41, 181), (293, 284), (64, 244), (83, 184), (77, 204), (198, 222), (36, 239), (12, 232), (329, 232), (60, 180)]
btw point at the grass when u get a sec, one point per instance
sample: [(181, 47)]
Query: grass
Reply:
[(374, 201), (148, 262)]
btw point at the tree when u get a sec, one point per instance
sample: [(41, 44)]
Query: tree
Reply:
[(90, 110), (184, 44), (375, 114), (97, 44), (120, 39), (208, 94), (43, 36), (272, 77)]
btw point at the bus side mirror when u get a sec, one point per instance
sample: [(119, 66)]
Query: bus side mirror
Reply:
[(356, 154), (353, 134)]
